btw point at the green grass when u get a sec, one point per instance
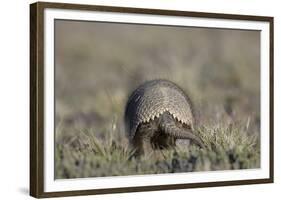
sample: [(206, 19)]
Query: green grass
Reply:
[(87, 155)]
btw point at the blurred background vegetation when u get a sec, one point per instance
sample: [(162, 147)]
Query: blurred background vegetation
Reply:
[(98, 65)]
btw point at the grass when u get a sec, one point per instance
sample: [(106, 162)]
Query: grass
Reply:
[(86, 155)]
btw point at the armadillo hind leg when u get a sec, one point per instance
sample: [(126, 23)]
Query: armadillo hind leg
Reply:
[(169, 127), (142, 140)]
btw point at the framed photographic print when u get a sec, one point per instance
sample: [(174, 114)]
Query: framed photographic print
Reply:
[(129, 99)]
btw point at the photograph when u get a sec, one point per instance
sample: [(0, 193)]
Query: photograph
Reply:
[(134, 99), (130, 99)]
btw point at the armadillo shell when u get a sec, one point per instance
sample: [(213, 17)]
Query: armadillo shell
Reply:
[(152, 99)]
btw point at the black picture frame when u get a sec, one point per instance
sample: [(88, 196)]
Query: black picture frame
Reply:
[(37, 97)]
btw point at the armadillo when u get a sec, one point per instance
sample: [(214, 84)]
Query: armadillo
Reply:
[(158, 113)]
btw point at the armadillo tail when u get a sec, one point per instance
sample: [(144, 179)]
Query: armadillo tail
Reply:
[(174, 131)]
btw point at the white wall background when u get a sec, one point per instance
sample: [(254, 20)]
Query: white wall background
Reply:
[(14, 98)]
